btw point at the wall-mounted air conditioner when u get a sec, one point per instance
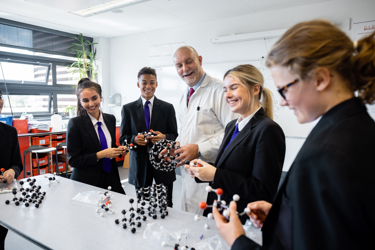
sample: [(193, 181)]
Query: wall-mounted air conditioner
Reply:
[(247, 37)]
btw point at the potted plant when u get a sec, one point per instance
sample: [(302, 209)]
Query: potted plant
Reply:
[(71, 110), (85, 64)]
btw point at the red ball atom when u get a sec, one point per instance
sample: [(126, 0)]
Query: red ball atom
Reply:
[(219, 191), (202, 205)]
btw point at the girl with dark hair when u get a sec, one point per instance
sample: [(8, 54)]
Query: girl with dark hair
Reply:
[(327, 198), (91, 140), (251, 155)]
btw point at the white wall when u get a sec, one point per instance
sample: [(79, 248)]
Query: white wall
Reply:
[(128, 54)]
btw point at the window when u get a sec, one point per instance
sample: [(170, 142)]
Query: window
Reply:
[(27, 103), (24, 73), (34, 75)]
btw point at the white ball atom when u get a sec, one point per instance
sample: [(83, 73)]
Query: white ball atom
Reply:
[(197, 218), (210, 216), (247, 210), (226, 213), (163, 244), (208, 189), (236, 197), (206, 226)]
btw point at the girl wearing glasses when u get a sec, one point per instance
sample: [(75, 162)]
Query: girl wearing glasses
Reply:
[(91, 140), (251, 156), (327, 198)]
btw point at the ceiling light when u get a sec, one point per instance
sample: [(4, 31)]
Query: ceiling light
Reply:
[(248, 36), (107, 6)]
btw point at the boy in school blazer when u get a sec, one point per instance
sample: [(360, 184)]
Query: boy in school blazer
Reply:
[(162, 122)]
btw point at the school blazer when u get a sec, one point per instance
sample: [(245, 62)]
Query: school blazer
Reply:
[(327, 199), (163, 119), (83, 144), (252, 163), (10, 156)]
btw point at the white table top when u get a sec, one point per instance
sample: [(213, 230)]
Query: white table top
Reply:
[(62, 223)]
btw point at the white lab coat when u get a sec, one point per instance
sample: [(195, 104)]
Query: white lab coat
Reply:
[(202, 123)]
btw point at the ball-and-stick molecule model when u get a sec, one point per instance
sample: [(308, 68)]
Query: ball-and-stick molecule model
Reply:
[(52, 179), (146, 134), (160, 163), (130, 146), (151, 200), (220, 205), (30, 195), (178, 245), (105, 203)]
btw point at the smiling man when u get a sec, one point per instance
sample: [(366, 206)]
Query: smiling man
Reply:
[(147, 113), (203, 115)]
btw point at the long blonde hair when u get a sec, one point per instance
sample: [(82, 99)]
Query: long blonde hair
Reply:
[(251, 76)]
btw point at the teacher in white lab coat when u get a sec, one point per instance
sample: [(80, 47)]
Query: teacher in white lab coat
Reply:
[(202, 115)]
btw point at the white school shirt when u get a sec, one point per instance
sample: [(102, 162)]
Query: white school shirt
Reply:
[(104, 128), (150, 105), (243, 122)]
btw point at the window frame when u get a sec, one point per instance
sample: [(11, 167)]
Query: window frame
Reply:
[(35, 88)]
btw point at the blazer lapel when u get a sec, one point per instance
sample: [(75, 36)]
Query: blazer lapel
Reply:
[(226, 139), (241, 136), (140, 113), (91, 130), (155, 113)]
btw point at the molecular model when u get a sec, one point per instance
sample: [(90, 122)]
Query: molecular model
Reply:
[(105, 203), (129, 145), (160, 164), (52, 178), (30, 195), (156, 197), (2, 170), (146, 134), (178, 246), (220, 205)]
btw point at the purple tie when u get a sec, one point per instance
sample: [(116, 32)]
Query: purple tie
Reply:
[(107, 166), (147, 115), (235, 133), (191, 91)]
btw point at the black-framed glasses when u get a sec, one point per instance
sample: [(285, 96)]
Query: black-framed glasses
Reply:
[(282, 90)]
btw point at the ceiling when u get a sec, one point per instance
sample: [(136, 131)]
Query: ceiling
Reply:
[(142, 17)]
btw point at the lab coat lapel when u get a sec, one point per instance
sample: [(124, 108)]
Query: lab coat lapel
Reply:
[(91, 130), (141, 115)]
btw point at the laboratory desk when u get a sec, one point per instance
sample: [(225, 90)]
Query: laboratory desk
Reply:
[(63, 223)]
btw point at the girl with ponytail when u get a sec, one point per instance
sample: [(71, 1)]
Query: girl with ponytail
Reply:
[(251, 155), (91, 140)]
